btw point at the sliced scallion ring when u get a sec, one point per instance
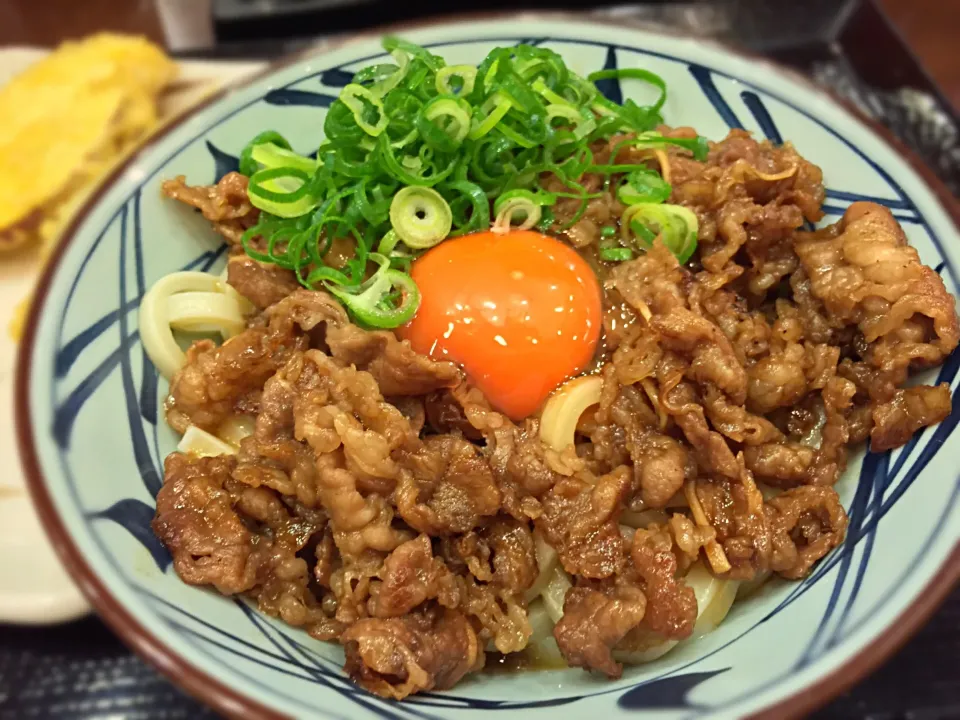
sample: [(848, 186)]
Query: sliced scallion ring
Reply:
[(492, 113), (420, 217), (540, 86), (567, 112), (457, 112), (382, 87), (582, 126), (388, 242), (246, 164), (652, 140), (270, 155), (362, 102), (282, 191), (523, 203), (445, 123), (372, 303), (466, 74), (636, 74), (399, 254), (676, 225)]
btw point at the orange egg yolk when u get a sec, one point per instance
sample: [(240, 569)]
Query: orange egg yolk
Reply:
[(520, 312)]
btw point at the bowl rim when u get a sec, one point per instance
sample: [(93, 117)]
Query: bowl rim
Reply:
[(217, 694)]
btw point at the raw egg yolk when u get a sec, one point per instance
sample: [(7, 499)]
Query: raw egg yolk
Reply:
[(520, 312)]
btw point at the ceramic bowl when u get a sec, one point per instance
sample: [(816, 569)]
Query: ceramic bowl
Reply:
[(93, 437)]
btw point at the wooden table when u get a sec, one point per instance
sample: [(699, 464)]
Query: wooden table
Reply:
[(932, 29)]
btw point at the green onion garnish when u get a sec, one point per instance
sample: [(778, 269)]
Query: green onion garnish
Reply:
[(523, 205), (456, 80), (247, 164), (676, 225), (420, 217), (283, 191), (373, 302), (416, 151), (367, 108), (617, 254), (643, 186)]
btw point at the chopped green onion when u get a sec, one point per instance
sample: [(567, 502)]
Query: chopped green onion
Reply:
[(643, 186), (445, 123), (415, 151), (405, 170), (608, 231), (388, 242), (420, 217), (371, 303), (637, 74), (583, 126), (400, 256), (654, 140), (524, 203), (469, 196), (546, 219), (465, 74), (424, 56), (492, 112), (270, 155), (541, 87), (618, 254), (282, 191), (382, 87), (676, 225), (365, 105), (247, 165)]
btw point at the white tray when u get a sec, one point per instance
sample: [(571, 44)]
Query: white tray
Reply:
[(34, 588)]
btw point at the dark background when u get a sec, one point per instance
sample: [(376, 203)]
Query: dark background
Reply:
[(931, 27), (896, 61)]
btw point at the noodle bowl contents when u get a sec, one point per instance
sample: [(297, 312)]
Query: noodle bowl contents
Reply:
[(506, 367)]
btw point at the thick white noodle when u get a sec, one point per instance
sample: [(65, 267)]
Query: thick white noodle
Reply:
[(556, 592), (546, 562), (563, 409), (542, 646), (210, 305), (540, 622), (200, 443), (558, 424), (714, 599), (205, 312), (235, 428)]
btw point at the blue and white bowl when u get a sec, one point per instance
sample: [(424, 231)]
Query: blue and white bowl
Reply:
[(93, 438)]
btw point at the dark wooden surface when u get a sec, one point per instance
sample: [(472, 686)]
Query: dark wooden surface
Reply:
[(48, 22), (932, 29)]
